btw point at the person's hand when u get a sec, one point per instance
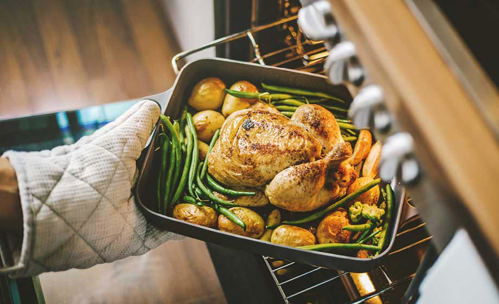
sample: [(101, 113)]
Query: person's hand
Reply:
[(76, 200)]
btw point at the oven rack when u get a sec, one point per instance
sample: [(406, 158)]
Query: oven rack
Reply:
[(300, 53), (413, 229), (308, 55)]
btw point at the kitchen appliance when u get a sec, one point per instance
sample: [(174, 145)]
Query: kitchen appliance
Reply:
[(397, 74)]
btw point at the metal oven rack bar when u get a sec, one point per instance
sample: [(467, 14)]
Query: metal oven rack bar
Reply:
[(311, 60)]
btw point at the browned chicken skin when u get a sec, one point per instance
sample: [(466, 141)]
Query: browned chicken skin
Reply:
[(303, 187), (255, 145), (258, 146)]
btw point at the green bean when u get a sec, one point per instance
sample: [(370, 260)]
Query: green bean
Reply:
[(185, 170), (221, 189), (343, 120), (262, 96), (300, 92), (331, 108), (341, 202), (343, 125), (209, 194), (231, 216), (195, 154), (289, 102), (163, 138), (388, 217), (353, 246), (286, 108), (365, 232), (374, 233), (189, 199), (360, 227), (176, 149), (212, 143), (351, 132), (287, 113), (169, 177), (349, 138)]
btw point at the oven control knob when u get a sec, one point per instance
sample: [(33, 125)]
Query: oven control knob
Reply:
[(368, 109), (398, 160), (342, 65), (317, 22)]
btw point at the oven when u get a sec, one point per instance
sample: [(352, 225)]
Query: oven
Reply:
[(404, 63), (348, 42)]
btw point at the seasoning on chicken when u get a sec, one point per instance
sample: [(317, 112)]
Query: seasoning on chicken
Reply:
[(255, 145)]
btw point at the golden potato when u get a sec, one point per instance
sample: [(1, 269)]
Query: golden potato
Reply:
[(207, 123), (203, 149), (257, 200), (273, 218), (330, 228), (201, 215), (207, 94), (254, 222), (233, 104), (371, 196), (292, 236)]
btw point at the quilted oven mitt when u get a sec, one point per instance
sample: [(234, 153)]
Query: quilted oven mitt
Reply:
[(77, 205)]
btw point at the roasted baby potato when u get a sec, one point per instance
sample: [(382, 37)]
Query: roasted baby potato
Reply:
[(257, 200), (254, 222), (370, 168), (203, 149), (207, 94), (232, 103), (274, 218), (201, 215), (292, 236), (207, 123), (330, 228), (371, 196)]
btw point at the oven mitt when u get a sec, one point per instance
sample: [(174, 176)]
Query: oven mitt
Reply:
[(76, 200)]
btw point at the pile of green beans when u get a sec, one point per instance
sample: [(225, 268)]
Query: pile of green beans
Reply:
[(287, 100), (183, 177)]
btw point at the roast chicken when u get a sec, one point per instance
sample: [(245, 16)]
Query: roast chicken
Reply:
[(293, 160)]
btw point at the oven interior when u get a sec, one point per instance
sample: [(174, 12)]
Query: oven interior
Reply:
[(273, 37)]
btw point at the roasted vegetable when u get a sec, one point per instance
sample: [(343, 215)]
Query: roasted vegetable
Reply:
[(274, 218), (201, 215), (369, 197), (203, 149), (253, 221), (370, 168), (232, 104), (207, 94), (292, 236), (355, 212), (207, 123), (372, 213), (330, 229), (362, 147)]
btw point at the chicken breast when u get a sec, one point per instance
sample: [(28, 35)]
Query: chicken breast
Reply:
[(255, 145)]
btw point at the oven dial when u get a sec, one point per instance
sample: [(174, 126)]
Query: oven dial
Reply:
[(368, 109), (317, 22), (398, 161), (342, 65)]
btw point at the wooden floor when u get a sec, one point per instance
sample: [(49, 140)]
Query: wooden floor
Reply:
[(66, 54)]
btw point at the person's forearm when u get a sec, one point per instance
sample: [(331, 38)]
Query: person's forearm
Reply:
[(10, 206)]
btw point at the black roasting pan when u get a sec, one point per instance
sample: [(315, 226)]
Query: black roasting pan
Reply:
[(230, 71)]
